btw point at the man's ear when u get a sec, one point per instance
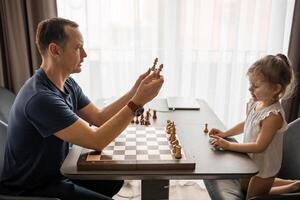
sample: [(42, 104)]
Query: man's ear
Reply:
[(54, 50)]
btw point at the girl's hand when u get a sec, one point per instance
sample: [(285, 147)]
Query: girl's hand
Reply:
[(216, 132), (219, 142)]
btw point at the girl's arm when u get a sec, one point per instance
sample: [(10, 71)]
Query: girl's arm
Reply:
[(237, 129), (269, 128)]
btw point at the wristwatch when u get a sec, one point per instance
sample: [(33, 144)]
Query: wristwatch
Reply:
[(136, 109)]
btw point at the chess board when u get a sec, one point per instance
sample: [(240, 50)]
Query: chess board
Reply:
[(136, 148)]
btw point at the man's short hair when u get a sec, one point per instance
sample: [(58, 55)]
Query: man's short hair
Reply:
[(52, 30)]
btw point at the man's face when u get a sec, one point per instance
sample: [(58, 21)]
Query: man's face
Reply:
[(73, 52)]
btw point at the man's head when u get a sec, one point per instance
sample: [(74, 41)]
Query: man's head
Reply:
[(52, 30), (60, 41)]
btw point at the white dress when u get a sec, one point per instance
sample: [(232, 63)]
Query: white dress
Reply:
[(269, 161)]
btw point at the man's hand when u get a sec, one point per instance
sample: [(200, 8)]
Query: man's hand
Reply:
[(138, 82), (148, 88)]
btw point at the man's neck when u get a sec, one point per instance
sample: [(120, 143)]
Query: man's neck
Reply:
[(55, 73)]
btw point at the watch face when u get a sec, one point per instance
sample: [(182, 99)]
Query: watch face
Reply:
[(139, 111)]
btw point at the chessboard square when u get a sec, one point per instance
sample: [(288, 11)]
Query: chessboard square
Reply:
[(164, 147), (140, 132), (142, 157), (141, 152), (141, 143), (166, 157), (152, 143), (131, 147), (118, 157), (130, 157), (153, 152), (109, 148), (141, 147), (130, 144), (160, 134), (151, 138), (119, 143), (119, 147), (107, 152), (122, 135), (141, 135), (152, 147), (165, 152), (139, 128), (151, 135), (106, 157), (154, 157), (131, 128), (130, 139), (130, 152), (141, 139), (91, 157), (163, 143), (119, 152), (122, 139), (162, 139), (151, 128), (130, 135)]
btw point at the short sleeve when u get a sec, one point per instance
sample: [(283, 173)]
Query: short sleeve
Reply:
[(49, 113), (82, 99)]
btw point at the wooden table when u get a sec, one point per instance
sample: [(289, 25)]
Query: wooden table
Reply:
[(189, 124)]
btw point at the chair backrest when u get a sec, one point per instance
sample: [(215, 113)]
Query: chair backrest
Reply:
[(7, 99), (3, 129), (290, 168)]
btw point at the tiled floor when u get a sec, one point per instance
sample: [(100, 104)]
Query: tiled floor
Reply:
[(179, 190)]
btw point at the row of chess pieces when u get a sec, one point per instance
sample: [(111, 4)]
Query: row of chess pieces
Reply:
[(171, 132), (145, 120)]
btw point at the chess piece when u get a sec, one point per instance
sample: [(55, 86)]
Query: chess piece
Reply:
[(175, 142), (161, 66), (205, 129), (132, 121), (154, 114), (154, 64), (172, 138), (142, 120), (147, 118), (178, 152), (137, 120)]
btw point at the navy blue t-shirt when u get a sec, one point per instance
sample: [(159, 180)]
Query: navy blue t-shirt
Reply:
[(33, 154)]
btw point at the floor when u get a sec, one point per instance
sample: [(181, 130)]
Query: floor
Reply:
[(179, 190)]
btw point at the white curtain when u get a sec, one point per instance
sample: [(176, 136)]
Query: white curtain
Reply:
[(206, 46)]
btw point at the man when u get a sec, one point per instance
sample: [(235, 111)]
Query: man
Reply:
[(51, 111)]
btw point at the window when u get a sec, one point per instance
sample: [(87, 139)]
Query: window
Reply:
[(206, 46)]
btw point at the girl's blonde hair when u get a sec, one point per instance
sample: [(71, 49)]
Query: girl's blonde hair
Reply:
[(275, 70)]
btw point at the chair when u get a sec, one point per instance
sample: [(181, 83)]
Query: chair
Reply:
[(230, 189), (6, 102), (7, 99)]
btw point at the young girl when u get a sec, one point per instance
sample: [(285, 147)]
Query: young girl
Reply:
[(271, 78)]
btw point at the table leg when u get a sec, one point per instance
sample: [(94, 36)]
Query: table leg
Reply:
[(155, 189)]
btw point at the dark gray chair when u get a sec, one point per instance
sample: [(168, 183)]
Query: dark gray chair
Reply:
[(290, 169), (6, 100)]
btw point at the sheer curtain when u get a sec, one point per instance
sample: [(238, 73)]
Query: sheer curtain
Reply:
[(206, 46)]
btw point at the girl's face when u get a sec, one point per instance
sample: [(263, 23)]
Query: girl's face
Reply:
[(262, 90)]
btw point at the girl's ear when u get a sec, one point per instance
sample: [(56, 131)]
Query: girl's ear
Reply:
[(278, 88)]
